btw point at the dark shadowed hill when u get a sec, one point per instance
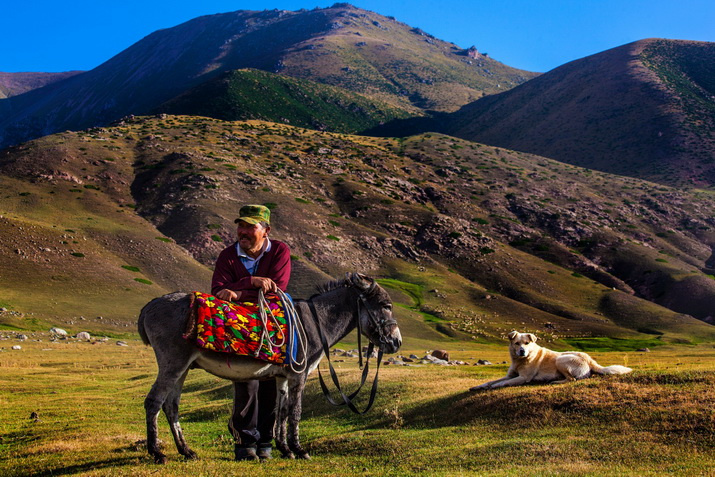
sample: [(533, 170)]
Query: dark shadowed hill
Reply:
[(645, 109), (257, 94), (13, 84), (474, 240), (341, 46)]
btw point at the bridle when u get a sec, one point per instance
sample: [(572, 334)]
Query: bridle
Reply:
[(380, 324)]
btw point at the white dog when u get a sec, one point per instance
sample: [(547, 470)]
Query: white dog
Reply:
[(532, 363)]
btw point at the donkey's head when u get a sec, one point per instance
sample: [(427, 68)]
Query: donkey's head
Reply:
[(375, 313)]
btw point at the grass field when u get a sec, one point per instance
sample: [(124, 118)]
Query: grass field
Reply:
[(89, 404)]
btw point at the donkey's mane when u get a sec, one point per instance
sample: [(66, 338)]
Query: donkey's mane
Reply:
[(336, 284), (333, 285)]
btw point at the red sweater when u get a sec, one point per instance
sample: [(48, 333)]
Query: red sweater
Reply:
[(230, 273)]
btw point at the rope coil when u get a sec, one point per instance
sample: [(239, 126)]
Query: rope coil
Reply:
[(295, 329)]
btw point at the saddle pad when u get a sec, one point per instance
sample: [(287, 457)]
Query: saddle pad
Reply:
[(236, 328)]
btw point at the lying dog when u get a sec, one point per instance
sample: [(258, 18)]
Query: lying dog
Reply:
[(532, 363)]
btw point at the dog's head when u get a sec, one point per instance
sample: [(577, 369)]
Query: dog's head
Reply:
[(522, 344)]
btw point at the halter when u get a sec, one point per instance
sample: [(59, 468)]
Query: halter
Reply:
[(380, 323)]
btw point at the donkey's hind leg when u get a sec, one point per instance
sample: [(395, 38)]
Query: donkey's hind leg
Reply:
[(282, 417), (171, 409), (163, 388)]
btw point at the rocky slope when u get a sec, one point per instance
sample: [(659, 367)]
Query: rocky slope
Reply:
[(342, 46), (475, 240)]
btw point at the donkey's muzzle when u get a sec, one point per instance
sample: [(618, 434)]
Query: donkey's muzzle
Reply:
[(391, 343)]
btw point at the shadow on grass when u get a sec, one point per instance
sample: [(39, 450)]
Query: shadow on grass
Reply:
[(112, 463)]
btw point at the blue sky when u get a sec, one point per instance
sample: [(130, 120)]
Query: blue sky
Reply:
[(536, 35)]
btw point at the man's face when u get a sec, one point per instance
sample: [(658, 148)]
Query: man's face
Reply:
[(250, 236)]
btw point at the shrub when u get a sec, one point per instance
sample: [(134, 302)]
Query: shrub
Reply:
[(77, 254), (164, 239), (130, 268), (143, 280), (333, 237), (216, 238)]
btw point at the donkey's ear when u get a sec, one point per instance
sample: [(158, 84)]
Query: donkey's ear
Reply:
[(360, 281), (512, 334)]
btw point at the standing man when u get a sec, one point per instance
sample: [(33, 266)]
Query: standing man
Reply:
[(253, 263)]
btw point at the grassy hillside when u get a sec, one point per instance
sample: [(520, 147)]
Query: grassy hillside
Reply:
[(643, 110), (255, 94), (483, 240)]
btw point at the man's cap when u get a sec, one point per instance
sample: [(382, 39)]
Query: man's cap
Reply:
[(254, 214)]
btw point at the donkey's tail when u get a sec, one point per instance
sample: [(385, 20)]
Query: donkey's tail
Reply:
[(140, 325)]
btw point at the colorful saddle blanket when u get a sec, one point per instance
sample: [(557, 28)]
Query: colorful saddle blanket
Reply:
[(237, 328)]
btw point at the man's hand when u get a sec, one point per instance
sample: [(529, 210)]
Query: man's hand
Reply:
[(265, 284), (228, 295)]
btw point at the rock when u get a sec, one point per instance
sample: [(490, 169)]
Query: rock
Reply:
[(643, 350), (414, 356), (408, 360), (83, 335), (484, 362), (440, 354), (34, 416), (17, 347), (58, 332), (22, 337), (3, 310), (121, 343)]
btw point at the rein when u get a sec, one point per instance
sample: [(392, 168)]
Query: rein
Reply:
[(347, 399)]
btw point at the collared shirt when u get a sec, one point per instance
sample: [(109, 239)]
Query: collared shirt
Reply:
[(251, 263)]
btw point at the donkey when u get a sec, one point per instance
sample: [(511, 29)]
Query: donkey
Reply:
[(337, 307)]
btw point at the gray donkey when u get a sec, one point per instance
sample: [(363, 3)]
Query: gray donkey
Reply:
[(333, 312)]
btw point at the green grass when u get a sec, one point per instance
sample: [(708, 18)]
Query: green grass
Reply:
[(604, 343), (89, 400)]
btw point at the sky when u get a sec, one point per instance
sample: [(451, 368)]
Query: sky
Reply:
[(535, 35)]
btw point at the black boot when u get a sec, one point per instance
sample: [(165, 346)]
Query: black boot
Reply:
[(244, 453), (264, 452)]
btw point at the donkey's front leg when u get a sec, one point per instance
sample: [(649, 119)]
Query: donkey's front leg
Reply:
[(295, 403), (282, 417)]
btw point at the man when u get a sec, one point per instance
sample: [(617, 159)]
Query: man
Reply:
[(252, 263)]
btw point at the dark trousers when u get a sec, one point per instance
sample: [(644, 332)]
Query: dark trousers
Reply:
[(254, 414)]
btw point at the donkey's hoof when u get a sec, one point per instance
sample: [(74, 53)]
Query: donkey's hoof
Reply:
[(303, 455), (190, 455), (288, 455), (160, 459)]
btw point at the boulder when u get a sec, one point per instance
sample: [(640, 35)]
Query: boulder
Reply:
[(121, 343), (84, 336), (58, 332), (17, 347), (441, 354)]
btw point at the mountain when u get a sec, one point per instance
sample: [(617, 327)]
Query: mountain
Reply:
[(645, 109), (342, 46), (13, 84), (471, 240), (256, 94)]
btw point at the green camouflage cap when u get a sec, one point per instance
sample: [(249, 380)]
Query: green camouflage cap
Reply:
[(254, 214)]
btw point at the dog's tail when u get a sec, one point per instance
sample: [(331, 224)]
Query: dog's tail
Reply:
[(614, 369)]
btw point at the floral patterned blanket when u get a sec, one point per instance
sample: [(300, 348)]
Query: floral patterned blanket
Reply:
[(236, 328)]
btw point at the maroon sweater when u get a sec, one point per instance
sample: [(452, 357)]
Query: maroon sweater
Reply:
[(230, 273)]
